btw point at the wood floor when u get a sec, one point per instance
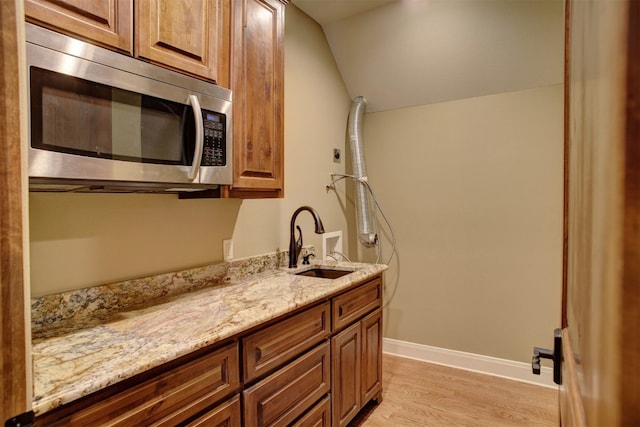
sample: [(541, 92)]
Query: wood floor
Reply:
[(423, 394)]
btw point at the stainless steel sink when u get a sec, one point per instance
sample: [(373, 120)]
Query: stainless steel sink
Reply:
[(323, 273)]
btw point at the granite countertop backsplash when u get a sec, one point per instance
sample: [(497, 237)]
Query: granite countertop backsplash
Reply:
[(88, 339)]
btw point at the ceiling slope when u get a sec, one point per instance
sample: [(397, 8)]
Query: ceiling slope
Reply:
[(414, 52), (328, 11)]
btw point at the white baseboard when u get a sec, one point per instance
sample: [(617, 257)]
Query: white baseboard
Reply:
[(504, 368)]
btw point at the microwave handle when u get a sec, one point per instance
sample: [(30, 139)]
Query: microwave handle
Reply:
[(197, 153)]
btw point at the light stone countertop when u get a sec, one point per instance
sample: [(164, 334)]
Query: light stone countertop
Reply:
[(78, 356)]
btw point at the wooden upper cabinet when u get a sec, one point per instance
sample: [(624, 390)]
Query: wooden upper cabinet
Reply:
[(190, 36), (107, 23), (257, 77)]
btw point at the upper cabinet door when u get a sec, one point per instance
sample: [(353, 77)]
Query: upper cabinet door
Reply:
[(188, 35), (105, 22), (258, 97)]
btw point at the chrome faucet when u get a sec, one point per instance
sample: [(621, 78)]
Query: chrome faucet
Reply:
[(295, 246)]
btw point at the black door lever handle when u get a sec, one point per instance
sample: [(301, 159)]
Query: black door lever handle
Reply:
[(555, 356), (537, 354)]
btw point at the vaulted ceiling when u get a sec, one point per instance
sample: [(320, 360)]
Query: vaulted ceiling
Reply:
[(329, 11), (403, 53)]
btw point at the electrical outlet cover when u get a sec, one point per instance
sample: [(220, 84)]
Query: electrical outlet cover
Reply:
[(331, 242), (227, 249)]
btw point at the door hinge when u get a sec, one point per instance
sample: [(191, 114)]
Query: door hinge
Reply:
[(23, 420), (555, 356)]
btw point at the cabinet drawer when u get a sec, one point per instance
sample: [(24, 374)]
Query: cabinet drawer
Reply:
[(285, 395), (318, 416), (271, 347), (224, 415), (170, 397), (354, 304)]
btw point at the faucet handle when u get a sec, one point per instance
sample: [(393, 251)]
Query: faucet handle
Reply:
[(299, 240), (305, 259)]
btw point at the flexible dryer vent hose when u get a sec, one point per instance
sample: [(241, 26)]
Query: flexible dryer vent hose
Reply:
[(366, 230)]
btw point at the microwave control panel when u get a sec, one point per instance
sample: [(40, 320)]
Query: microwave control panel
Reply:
[(214, 152)]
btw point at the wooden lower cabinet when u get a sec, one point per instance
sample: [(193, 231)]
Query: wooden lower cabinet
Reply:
[(318, 416), (346, 374), (354, 370), (371, 357), (228, 414), (289, 392), (352, 305), (275, 345), (316, 367), (356, 375), (164, 400)]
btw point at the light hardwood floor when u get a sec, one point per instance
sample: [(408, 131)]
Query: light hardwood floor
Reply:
[(422, 394)]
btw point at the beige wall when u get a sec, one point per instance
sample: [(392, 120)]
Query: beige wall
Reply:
[(473, 189), (409, 53), (79, 240)]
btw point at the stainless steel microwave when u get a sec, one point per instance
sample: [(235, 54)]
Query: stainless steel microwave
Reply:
[(100, 120)]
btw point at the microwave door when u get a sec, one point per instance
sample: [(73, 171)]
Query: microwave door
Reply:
[(89, 130)]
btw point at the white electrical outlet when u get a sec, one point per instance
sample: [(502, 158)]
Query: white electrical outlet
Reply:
[(227, 249)]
